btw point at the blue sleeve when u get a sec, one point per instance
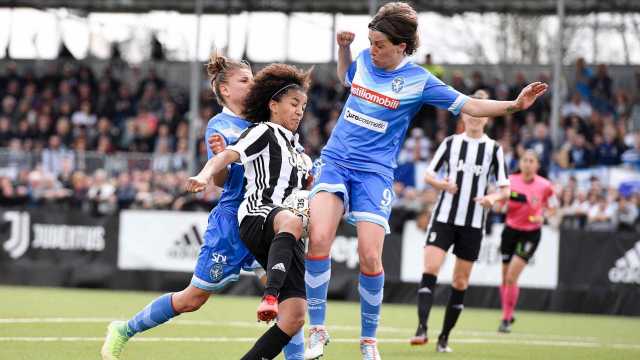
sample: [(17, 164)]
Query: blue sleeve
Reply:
[(442, 96), (211, 130), (351, 71)]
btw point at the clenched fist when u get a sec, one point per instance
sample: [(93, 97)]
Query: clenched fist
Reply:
[(345, 38)]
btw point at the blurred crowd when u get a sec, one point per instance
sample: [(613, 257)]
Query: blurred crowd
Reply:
[(70, 113)]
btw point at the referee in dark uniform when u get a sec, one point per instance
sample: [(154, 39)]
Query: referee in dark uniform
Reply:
[(470, 160)]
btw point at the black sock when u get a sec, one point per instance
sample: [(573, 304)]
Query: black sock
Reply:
[(269, 345), (425, 298), (278, 262), (454, 308)]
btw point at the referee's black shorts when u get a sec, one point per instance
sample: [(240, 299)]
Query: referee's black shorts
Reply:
[(518, 242), (465, 239), (256, 232)]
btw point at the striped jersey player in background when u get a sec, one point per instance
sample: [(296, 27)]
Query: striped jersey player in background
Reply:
[(469, 160), (355, 173), (531, 195)]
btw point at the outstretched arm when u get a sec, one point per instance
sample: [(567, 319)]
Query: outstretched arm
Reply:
[(490, 108), (344, 40), (213, 166), (217, 145)]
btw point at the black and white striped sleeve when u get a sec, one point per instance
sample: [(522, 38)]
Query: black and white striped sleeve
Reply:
[(251, 143), (500, 168), (440, 157)]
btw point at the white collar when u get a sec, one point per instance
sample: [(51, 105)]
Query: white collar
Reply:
[(290, 136), (484, 137), (228, 111), (404, 61)]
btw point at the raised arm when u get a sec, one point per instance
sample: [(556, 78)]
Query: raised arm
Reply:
[(490, 108), (344, 40), (213, 166), (217, 145)]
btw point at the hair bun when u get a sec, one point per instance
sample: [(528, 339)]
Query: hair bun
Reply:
[(217, 63)]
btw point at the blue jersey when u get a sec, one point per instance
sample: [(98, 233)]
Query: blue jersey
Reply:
[(375, 117), (229, 126)]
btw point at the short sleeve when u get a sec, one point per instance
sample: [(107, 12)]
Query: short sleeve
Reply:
[(351, 71), (251, 143), (439, 158), (500, 168), (209, 132), (442, 96)]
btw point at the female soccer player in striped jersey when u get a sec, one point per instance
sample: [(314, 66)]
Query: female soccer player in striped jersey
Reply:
[(355, 173), (274, 169), (469, 159), (222, 254), (530, 196)]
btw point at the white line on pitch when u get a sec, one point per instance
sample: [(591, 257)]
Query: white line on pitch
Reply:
[(248, 324), (583, 344)]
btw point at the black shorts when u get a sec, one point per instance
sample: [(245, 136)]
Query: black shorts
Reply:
[(466, 239), (256, 233), (518, 242)]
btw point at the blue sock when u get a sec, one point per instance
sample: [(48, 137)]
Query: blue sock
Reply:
[(295, 348), (371, 289), (157, 312), (316, 280)]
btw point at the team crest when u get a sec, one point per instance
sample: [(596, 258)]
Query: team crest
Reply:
[(397, 84), (217, 271)]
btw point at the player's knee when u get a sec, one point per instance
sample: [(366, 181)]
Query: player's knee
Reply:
[(510, 279), (291, 224), (460, 282), (370, 261)]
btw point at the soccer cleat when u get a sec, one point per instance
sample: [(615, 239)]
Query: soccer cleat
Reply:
[(443, 344), (318, 339), (420, 338), (115, 341), (505, 326), (369, 349), (268, 308)]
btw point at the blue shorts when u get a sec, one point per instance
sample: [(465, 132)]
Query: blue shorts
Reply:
[(223, 254), (367, 196)]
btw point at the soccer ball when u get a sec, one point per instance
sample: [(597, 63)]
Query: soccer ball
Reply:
[(298, 203)]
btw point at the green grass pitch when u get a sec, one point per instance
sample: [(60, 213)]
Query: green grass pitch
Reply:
[(52, 324)]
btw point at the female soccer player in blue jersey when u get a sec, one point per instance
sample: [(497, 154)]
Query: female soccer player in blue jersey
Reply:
[(355, 173), (222, 255)]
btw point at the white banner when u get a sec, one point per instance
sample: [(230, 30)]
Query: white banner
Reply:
[(160, 240), (542, 271)]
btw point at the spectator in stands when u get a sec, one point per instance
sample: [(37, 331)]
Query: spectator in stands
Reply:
[(6, 133), (84, 116), (54, 156), (627, 212), (631, 157), (436, 70), (583, 78), (602, 215), (577, 107), (125, 191), (580, 156), (609, 151), (602, 90), (11, 195), (101, 194), (542, 145)]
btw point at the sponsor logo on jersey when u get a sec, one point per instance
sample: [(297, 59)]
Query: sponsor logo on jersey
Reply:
[(375, 97), (365, 121), (468, 167)]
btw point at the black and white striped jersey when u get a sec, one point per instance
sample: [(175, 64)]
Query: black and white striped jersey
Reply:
[(274, 166), (470, 163)]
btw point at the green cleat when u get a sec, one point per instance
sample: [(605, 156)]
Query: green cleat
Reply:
[(115, 341)]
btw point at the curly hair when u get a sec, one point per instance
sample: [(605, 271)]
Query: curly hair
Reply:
[(399, 21), (272, 83), (219, 68)]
